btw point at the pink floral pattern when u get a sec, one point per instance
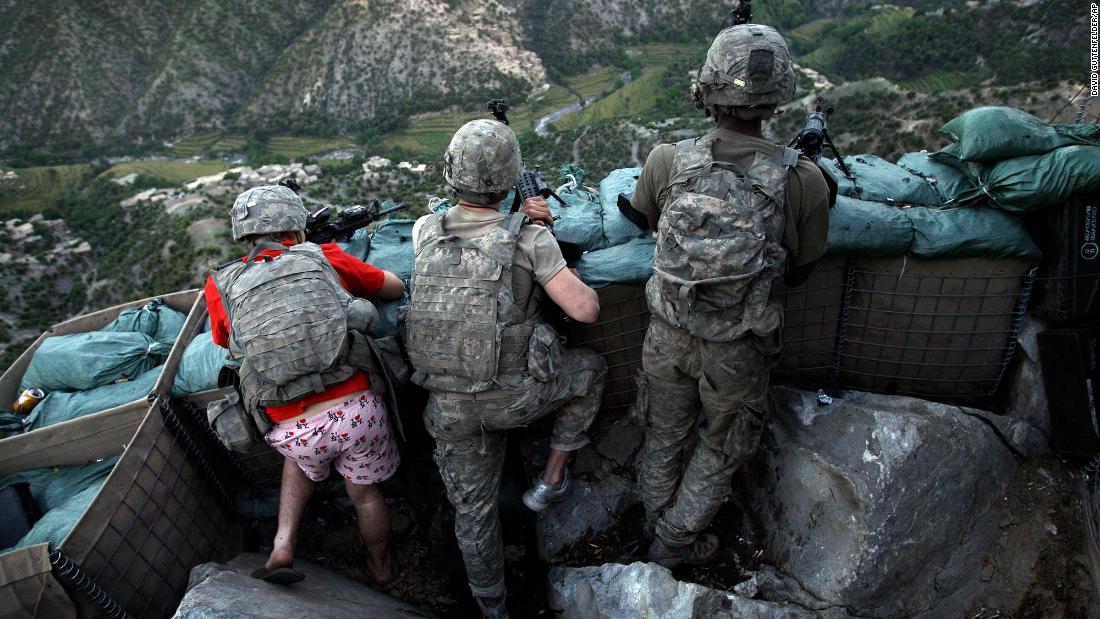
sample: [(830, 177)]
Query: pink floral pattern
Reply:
[(354, 437)]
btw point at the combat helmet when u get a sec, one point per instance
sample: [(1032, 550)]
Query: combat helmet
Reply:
[(747, 66), (482, 161), (267, 209)]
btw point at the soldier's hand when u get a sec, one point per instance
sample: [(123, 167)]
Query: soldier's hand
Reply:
[(538, 211)]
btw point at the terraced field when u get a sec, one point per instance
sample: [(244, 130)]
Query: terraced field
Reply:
[(297, 147), (228, 144), (39, 185), (175, 171), (633, 99), (195, 144)]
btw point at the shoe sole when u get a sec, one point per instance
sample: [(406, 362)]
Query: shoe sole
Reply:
[(532, 504)]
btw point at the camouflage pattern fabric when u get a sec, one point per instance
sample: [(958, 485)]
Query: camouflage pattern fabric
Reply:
[(288, 324), (719, 246), (267, 209), (462, 329), (685, 378), (470, 434), (482, 161), (746, 66)]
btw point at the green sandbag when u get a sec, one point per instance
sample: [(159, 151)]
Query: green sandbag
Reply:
[(157, 320), (62, 406), (988, 134), (391, 247), (55, 525), (358, 246), (878, 180), (1027, 184), (199, 367), (85, 361), (868, 229), (969, 232), (581, 219), (52, 487), (629, 263), (948, 181), (387, 316), (616, 228)]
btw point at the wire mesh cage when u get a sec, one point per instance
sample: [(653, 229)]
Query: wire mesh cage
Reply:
[(165, 508), (938, 329), (618, 336)]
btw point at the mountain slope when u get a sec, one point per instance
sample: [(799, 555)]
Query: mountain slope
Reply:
[(382, 59)]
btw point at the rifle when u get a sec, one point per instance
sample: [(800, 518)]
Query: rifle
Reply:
[(533, 184), (813, 139), (741, 14), (321, 227)]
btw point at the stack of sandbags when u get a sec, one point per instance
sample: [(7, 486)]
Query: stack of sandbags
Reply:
[(85, 373), (1018, 162)]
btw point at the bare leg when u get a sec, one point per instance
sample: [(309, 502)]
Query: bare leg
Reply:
[(293, 497), (374, 528), (554, 470)]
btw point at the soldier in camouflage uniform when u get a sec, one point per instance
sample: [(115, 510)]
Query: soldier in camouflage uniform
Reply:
[(477, 342), (734, 213), (287, 314)]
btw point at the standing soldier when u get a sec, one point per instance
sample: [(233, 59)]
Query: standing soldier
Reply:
[(285, 313), (476, 339), (733, 213)]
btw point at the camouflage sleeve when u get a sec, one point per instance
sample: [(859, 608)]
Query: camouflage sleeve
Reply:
[(649, 195), (807, 225), (539, 253)]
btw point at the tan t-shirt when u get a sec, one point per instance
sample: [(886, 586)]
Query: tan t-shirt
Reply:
[(537, 259), (806, 225)]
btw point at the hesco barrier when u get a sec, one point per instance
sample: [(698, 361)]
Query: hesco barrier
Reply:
[(166, 506), (618, 336), (937, 329), (1090, 500), (262, 465)]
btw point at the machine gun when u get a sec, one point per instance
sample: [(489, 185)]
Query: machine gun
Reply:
[(813, 139), (533, 184), (741, 14), (322, 227)]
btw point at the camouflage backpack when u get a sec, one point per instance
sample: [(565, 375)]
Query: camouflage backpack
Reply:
[(288, 324), (718, 243), (463, 330)]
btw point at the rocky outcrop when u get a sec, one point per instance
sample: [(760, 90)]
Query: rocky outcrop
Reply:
[(218, 591), (880, 504), (642, 590)]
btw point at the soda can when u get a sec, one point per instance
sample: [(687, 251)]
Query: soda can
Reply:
[(27, 401)]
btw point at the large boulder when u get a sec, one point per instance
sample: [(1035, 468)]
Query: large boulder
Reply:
[(1027, 396), (219, 591), (647, 590), (880, 504)]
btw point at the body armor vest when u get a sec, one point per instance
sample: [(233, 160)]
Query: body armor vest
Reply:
[(288, 324), (718, 243), (463, 330)]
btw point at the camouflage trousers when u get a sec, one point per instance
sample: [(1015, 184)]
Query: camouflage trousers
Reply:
[(471, 433), (717, 389)]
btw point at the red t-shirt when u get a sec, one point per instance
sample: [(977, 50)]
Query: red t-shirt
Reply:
[(357, 277)]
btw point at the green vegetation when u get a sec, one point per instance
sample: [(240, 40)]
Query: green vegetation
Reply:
[(175, 171), (39, 185), (196, 144), (298, 147)]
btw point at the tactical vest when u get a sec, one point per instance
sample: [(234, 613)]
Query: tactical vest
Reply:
[(288, 324), (718, 243), (463, 330)]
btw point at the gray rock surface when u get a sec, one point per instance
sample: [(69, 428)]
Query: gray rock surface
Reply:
[(218, 591), (876, 503), (647, 590), (1027, 396), (603, 474)]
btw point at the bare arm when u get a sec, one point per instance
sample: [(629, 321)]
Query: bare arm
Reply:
[(576, 299), (392, 286)]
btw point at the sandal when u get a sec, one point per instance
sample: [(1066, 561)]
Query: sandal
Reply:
[(279, 576)]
